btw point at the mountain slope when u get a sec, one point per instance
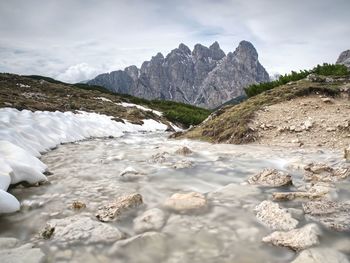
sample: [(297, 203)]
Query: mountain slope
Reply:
[(205, 77)]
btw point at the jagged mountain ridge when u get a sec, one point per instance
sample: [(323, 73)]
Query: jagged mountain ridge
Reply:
[(205, 77)]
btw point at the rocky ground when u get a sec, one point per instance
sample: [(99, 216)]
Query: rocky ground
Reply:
[(313, 121)]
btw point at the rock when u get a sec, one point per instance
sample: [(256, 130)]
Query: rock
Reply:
[(319, 172), (114, 210), (153, 219), (308, 124), (78, 205), (271, 177), (170, 128), (274, 217), (326, 100), (296, 239), (347, 153), (184, 151), (320, 255), (130, 174), (159, 157), (12, 252), (182, 164), (315, 192), (47, 232), (151, 244), (186, 202), (79, 229), (333, 215)]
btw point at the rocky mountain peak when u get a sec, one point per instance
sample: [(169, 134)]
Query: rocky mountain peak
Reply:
[(246, 49), (205, 77), (344, 58), (184, 49)]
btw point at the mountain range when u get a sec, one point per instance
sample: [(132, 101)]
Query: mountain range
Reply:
[(205, 76)]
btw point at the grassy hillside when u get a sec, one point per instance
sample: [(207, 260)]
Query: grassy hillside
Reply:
[(49, 94), (231, 123)]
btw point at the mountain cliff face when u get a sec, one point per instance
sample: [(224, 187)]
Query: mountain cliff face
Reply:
[(344, 58), (205, 77)]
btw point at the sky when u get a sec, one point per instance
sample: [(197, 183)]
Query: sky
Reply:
[(74, 40)]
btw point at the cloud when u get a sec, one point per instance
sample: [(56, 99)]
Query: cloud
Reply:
[(73, 40)]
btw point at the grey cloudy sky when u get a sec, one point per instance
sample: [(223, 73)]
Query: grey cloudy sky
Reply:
[(73, 40)]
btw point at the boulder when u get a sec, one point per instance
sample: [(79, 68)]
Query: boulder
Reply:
[(347, 153), (333, 215), (78, 205), (184, 151), (319, 172), (184, 202), (271, 177), (153, 219), (130, 174), (114, 210), (320, 255), (295, 239), (271, 215), (315, 192), (82, 230)]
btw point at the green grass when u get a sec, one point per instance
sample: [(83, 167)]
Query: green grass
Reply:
[(323, 70)]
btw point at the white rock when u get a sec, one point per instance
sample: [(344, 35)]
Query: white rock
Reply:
[(274, 217), (130, 174), (296, 239), (182, 202), (271, 177), (320, 255), (153, 219)]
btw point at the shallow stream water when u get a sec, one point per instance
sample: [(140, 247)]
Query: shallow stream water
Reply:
[(227, 231)]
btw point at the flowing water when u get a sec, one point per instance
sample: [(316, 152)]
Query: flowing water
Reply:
[(228, 231)]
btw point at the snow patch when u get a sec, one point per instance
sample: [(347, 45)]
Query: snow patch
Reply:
[(125, 104), (24, 135), (103, 99)]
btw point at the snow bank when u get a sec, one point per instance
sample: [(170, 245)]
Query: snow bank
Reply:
[(24, 135), (125, 104)]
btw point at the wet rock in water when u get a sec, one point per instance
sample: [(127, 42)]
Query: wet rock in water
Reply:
[(12, 252), (79, 229), (170, 128), (184, 151), (153, 219), (319, 172), (271, 215), (114, 210), (186, 202), (347, 153), (47, 232), (159, 157), (296, 239), (320, 255), (130, 174), (152, 245), (333, 215), (271, 177), (78, 205), (316, 192), (182, 164)]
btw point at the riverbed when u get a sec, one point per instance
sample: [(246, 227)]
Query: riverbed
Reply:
[(227, 231)]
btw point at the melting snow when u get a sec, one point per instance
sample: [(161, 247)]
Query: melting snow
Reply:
[(24, 135), (125, 104), (103, 99)]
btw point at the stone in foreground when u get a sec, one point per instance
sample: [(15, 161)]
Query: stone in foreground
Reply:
[(320, 255), (295, 239), (153, 219), (333, 215), (114, 210), (271, 177), (274, 217), (184, 151), (315, 192), (319, 172), (83, 230), (11, 251), (186, 202)]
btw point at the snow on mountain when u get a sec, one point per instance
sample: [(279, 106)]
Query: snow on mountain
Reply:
[(24, 135)]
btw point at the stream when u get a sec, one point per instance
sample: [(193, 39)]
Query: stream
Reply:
[(227, 231)]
